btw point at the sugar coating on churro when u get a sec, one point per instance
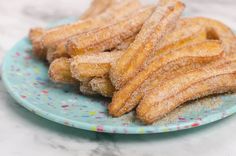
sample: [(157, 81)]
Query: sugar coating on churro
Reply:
[(52, 36), (212, 79), (161, 22), (93, 65), (216, 30), (123, 102), (59, 71), (109, 36), (102, 86), (105, 57)]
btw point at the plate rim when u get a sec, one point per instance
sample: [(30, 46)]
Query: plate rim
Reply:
[(96, 127)]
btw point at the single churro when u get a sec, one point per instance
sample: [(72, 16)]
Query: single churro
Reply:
[(216, 30), (60, 49), (59, 71), (162, 21), (52, 36), (109, 36), (85, 67)]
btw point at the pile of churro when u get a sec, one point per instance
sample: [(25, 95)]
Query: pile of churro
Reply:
[(146, 58)]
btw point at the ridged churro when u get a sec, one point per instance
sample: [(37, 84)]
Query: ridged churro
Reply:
[(59, 71), (60, 49), (109, 36), (162, 21), (219, 78), (51, 36), (85, 67), (125, 100), (185, 33), (97, 7), (216, 30)]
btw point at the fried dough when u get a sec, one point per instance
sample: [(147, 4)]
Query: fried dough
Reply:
[(199, 53), (60, 49), (110, 36), (216, 30), (216, 79), (162, 21), (52, 36), (93, 65), (59, 71)]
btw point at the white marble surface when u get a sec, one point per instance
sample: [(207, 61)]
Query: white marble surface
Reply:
[(25, 134)]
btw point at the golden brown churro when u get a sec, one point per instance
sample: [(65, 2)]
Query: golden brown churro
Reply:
[(200, 53), (59, 71), (85, 67), (186, 33), (51, 36), (60, 50), (109, 36), (199, 83), (57, 51), (97, 7), (159, 24), (216, 30)]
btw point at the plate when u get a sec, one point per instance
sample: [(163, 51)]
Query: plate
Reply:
[(27, 81)]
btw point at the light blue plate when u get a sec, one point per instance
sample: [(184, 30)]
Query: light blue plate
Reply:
[(27, 81)]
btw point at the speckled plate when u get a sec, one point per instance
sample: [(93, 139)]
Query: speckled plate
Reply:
[(27, 81)]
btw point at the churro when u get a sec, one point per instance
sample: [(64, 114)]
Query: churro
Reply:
[(162, 21), (185, 33), (109, 36), (85, 67), (102, 86), (216, 30), (51, 36), (60, 49), (219, 78), (124, 100)]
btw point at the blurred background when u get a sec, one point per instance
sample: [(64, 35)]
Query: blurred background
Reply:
[(18, 16)]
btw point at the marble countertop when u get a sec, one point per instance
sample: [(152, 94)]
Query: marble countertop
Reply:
[(25, 134)]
